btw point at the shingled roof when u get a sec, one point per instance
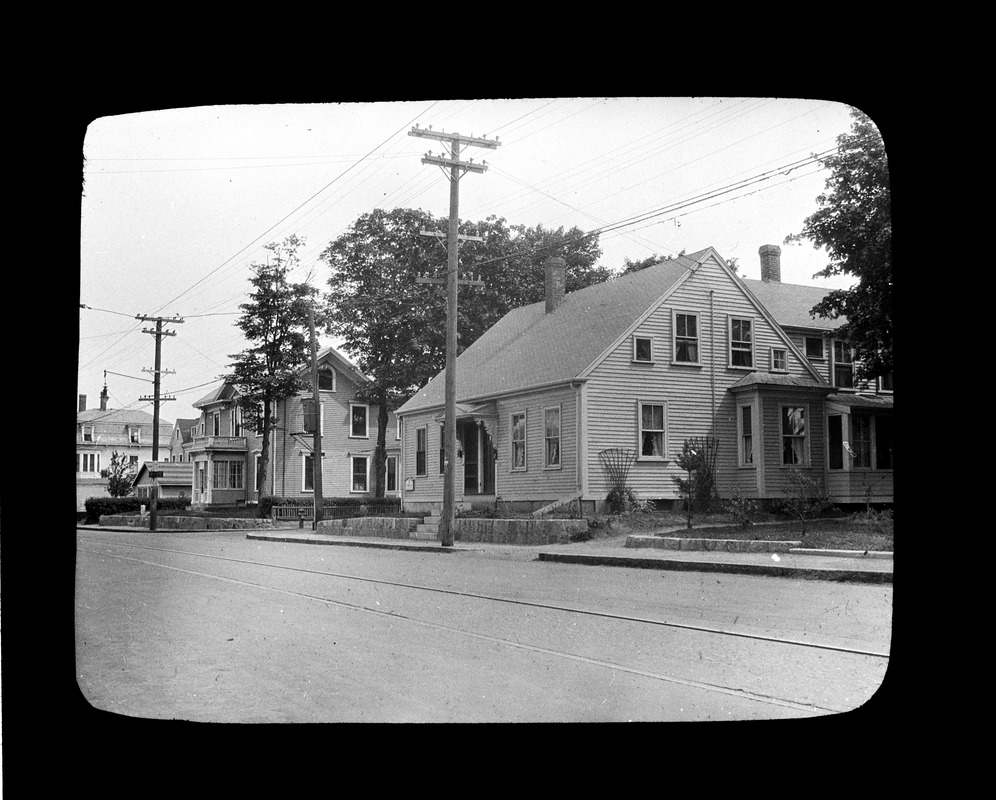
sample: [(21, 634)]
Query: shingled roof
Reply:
[(790, 304), (529, 347)]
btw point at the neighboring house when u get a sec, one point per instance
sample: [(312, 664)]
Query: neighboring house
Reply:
[(859, 414), (176, 480), (99, 432), (182, 439), (221, 452), (631, 367), (349, 437), (225, 457)]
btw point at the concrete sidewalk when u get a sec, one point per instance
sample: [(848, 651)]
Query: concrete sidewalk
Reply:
[(799, 564), (831, 565)]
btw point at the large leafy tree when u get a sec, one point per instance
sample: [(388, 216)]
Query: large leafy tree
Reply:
[(275, 322), (395, 328), (854, 224)]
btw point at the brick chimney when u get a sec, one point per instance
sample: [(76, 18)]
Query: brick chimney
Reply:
[(82, 405), (103, 399), (556, 278), (771, 263)]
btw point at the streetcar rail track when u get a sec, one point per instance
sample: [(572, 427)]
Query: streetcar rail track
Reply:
[(508, 600), (705, 686)]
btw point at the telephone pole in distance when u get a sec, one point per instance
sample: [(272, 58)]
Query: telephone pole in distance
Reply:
[(159, 333)]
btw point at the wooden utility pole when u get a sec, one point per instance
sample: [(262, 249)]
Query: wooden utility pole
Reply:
[(316, 461), (457, 169), (159, 333)]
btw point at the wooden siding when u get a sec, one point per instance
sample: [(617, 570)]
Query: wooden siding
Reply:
[(287, 459), (777, 481), (697, 399), (536, 483)]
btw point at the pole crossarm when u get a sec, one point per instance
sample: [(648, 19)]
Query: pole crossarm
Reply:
[(461, 237), (442, 281), (442, 136)]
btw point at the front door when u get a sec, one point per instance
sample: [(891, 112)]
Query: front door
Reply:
[(478, 459)]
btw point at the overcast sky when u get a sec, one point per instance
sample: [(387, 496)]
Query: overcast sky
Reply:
[(179, 202)]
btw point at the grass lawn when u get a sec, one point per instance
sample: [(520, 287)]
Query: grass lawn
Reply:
[(859, 531)]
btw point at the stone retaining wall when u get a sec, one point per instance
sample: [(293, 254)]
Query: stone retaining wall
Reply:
[(723, 545), (384, 527), (164, 523), (518, 531)]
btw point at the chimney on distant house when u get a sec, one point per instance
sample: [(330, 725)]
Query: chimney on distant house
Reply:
[(556, 278), (82, 405), (771, 263), (103, 399)]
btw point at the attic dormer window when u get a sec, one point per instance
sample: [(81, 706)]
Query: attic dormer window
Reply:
[(87, 433), (135, 435), (326, 378)]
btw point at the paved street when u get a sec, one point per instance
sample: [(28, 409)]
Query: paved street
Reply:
[(218, 628)]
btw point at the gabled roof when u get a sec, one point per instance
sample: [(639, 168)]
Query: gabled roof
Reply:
[(175, 473), (789, 304), (226, 392), (221, 394), (529, 347), (330, 355), (184, 426)]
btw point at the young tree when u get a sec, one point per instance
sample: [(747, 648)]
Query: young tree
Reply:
[(854, 223), (396, 328), (120, 476), (275, 321)]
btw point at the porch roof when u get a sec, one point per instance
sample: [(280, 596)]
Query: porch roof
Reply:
[(471, 411), (773, 380), (883, 402)]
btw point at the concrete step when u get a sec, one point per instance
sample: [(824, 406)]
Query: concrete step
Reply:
[(426, 532), (427, 528)]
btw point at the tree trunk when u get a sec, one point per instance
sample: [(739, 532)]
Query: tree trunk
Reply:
[(380, 452)]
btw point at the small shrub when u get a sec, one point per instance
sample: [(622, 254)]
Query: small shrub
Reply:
[(625, 501), (743, 509), (808, 497), (878, 521)]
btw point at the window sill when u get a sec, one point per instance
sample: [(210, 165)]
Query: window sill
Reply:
[(686, 363), (654, 459), (641, 361)]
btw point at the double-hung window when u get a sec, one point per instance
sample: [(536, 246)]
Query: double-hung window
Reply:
[(779, 359), (793, 435), (308, 475), (551, 435), (359, 474), (421, 447), (88, 462), (135, 435), (741, 342), (87, 433), (442, 449), (686, 338), (518, 436), (358, 421), (843, 366), (746, 436), (216, 424), (651, 416), (861, 440)]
